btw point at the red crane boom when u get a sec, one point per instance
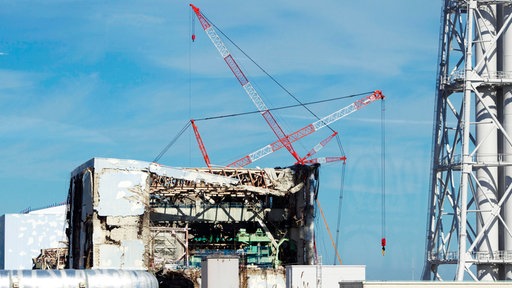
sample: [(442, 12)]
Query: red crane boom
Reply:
[(309, 129), (246, 84), (200, 143)]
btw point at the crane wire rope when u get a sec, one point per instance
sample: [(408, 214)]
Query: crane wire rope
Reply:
[(340, 202), (383, 177), (192, 31), (320, 233), (281, 108), (327, 226), (168, 146), (264, 71)]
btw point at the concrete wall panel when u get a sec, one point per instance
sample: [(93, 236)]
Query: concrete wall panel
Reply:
[(26, 234), (121, 193), (328, 275)]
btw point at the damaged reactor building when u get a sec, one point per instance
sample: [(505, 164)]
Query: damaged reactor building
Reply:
[(127, 214)]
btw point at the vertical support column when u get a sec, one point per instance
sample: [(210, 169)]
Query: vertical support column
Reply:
[(466, 161), (506, 64), (438, 134), (466, 170)]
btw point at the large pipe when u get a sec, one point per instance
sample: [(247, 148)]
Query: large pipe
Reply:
[(487, 139), (77, 278), (506, 65)]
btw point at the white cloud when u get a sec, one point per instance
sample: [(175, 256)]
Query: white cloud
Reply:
[(37, 129), (11, 80)]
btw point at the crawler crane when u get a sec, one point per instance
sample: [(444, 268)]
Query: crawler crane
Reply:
[(284, 140)]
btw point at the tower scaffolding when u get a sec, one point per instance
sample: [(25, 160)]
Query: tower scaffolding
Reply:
[(470, 209)]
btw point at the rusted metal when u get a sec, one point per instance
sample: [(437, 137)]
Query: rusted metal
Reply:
[(51, 258)]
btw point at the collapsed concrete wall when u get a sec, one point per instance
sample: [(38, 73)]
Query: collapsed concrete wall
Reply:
[(127, 214), (108, 216)]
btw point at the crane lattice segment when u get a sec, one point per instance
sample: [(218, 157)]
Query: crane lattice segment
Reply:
[(319, 146), (323, 160), (347, 110), (246, 84), (309, 129)]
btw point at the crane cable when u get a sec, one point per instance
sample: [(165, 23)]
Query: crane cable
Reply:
[(340, 201), (282, 107), (193, 32), (166, 148), (327, 226), (383, 177), (334, 242)]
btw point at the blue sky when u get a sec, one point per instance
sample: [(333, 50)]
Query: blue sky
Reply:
[(83, 79)]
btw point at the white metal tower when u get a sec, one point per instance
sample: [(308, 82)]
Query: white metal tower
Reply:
[(470, 209)]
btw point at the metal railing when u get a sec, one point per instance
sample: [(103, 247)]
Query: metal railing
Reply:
[(500, 158), (459, 75), (500, 256)]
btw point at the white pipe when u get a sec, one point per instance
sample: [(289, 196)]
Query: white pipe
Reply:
[(487, 140), (506, 62), (77, 278)]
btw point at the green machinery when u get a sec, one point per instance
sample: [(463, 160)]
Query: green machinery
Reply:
[(253, 249)]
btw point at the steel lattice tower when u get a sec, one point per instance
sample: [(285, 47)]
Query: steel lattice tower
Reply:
[(470, 208)]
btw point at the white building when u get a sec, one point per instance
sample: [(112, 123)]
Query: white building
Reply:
[(324, 275), (22, 236)]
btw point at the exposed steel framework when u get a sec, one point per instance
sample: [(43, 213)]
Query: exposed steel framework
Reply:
[(470, 208)]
